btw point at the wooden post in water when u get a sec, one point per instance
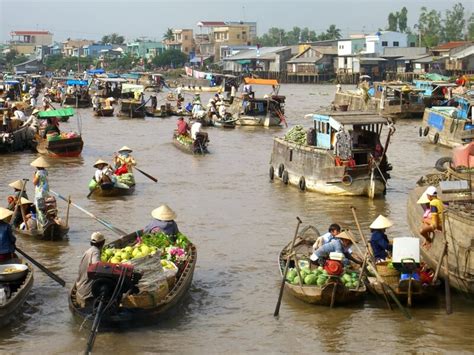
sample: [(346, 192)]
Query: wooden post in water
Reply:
[(67, 210)]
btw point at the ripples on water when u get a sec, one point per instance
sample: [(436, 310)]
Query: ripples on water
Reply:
[(239, 222)]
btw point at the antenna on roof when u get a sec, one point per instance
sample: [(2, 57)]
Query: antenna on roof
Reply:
[(243, 13)]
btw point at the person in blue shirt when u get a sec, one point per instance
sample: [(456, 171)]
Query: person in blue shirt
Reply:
[(339, 244), (379, 240), (333, 230), (163, 222), (7, 239)]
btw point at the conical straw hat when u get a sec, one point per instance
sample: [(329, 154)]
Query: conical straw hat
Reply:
[(163, 213), (345, 235), (40, 163), (5, 213), (98, 162), (16, 184), (423, 199), (381, 222), (125, 148), (25, 201)]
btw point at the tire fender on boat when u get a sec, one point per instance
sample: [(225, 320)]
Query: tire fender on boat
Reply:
[(420, 132), (440, 164), (271, 172), (281, 168), (302, 183), (426, 131), (347, 180), (436, 138), (285, 178)]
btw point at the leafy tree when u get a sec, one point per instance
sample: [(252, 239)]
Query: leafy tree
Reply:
[(454, 23), (113, 38), (168, 36), (403, 20), (470, 28), (333, 32), (171, 57), (392, 22), (57, 62), (430, 27), (105, 39)]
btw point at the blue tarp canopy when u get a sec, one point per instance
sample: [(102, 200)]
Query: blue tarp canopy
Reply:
[(96, 71), (12, 82), (77, 82)]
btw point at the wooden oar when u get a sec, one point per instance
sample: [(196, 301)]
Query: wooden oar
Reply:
[(147, 175), (447, 288), (100, 220), (42, 268), (18, 203), (277, 308), (372, 264)]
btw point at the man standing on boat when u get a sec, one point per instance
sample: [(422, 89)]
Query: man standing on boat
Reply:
[(91, 256)]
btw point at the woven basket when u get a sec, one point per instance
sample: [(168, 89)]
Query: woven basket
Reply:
[(390, 275)]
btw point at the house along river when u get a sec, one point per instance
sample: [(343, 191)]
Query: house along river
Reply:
[(239, 222)]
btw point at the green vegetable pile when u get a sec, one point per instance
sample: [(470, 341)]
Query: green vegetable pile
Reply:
[(297, 135), (184, 140), (319, 277), (126, 179)]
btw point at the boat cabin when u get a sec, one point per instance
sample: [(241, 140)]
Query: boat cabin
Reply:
[(268, 104), (110, 87), (10, 89)]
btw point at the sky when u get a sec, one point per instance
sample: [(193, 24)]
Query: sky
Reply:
[(91, 19)]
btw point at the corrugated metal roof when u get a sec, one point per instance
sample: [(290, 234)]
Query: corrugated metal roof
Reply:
[(413, 52), (265, 53), (22, 33)]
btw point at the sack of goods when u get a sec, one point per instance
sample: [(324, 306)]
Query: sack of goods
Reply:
[(127, 179), (297, 135), (92, 184)]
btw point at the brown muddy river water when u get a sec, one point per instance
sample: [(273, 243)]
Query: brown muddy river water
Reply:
[(239, 222)]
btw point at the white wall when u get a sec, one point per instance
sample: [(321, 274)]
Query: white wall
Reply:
[(374, 42), (344, 48)]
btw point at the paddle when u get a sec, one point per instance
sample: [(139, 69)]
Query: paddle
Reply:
[(374, 269), (42, 268), (100, 220), (277, 308), (18, 203), (147, 175), (447, 288)]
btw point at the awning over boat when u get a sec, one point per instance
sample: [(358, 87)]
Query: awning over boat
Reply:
[(112, 80), (337, 120), (254, 81), (126, 88), (77, 82), (95, 71), (62, 112)]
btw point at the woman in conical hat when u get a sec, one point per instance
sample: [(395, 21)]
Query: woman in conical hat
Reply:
[(163, 221), (379, 240), (7, 239), (17, 187), (41, 183), (123, 161)]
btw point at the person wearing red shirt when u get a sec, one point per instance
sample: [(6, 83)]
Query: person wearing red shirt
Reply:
[(183, 127)]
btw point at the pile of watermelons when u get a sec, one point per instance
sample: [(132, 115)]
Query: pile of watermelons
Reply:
[(319, 277)]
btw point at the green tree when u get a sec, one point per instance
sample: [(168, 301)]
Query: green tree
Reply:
[(392, 22), (168, 35), (105, 39), (113, 38), (430, 27), (470, 28), (293, 36), (333, 32), (454, 23), (403, 19), (170, 57)]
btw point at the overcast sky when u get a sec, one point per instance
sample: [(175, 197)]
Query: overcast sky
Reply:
[(150, 18)]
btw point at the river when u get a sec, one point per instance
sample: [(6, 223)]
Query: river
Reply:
[(239, 221)]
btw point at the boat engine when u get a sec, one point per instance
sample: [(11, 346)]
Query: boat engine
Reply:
[(334, 265)]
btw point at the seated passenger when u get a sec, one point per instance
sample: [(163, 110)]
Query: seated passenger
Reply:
[(379, 240), (163, 221)]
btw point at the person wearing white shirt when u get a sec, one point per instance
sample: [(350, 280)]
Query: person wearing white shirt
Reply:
[(222, 110), (19, 115), (195, 129)]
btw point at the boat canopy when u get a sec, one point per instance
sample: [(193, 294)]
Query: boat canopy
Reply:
[(126, 88), (112, 80), (12, 82), (95, 71), (338, 120), (255, 81), (77, 82), (62, 112)]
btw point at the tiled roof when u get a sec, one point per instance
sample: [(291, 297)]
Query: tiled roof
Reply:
[(451, 45)]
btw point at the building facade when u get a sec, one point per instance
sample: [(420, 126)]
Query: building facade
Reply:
[(25, 42), (182, 41), (375, 43)]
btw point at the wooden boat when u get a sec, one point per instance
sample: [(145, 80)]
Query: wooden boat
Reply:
[(225, 123), (64, 148), (190, 146), (319, 295), (109, 190), (458, 230), (52, 231), (131, 109), (433, 91), (63, 114), (20, 139), (104, 112), (126, 315), (80, 98), (20, 290), (315, 166), (447, 125), (391, 100)]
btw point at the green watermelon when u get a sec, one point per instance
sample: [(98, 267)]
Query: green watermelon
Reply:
[(311, 279), (291, 274), (296, 280), (303, 274)]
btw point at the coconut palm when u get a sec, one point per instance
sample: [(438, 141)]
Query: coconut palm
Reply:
[(168, 36), (333, 32)]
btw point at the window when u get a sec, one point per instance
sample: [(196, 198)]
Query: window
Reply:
[(395, 44), (412, 44), (384, 43), (238, 36), (186, 37)]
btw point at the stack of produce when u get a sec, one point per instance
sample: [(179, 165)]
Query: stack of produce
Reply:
[(127, 179), (319, 277), (186, 140), (297, 135)]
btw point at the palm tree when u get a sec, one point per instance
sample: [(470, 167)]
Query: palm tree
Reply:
[(168, 36), (333, 32)]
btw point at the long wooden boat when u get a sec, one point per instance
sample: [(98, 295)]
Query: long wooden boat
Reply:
[(106, 190), (52, 232), (131, 109), (458, 230), (317, 166), (447, 125), (127, 315), (319, 295), (190, 146), (18, 140), (225, 123), (64, 148), (267, 112), (19, 293), (390, 100), (104, 112)]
